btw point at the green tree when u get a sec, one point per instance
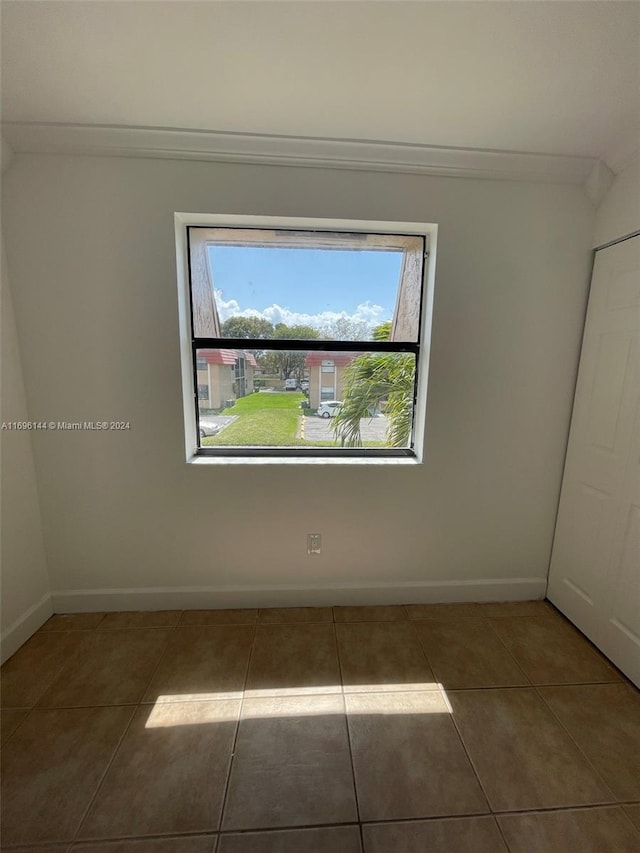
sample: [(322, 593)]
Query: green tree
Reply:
[(346, 329), (289, 363), (247, 327), (382, 332), (290, 333), (370, 379)]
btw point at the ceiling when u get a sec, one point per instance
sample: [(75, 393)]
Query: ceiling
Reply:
[(559, 78)]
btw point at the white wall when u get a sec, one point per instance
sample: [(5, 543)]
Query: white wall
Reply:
[(619, 212), (26, 601), (91, 253), (6, 154)]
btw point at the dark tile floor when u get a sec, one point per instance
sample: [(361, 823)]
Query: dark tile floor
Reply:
[(471, 727)]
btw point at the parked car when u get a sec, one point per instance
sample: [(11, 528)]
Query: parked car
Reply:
[(329, 409), (291, 385), (304, 385), (208, 427)]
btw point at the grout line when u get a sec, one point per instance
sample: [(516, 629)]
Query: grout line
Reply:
[(214, 833), (564, 683), (429, 818), (217, 625), (528, 686), (556, 613), (53, 632), (501, 831), (509, 652), (424, 651), (370, 621), (136, 706), (104, 774), (471, 762), (225, 795), (21, 723), (419, 819), (271, 829), (474, 815), (293, 828), (113, 840), (132, 704), (582, 807), (295, 622), (575, 742), (353, 691), (439, 818), (58, 671), (612, 802), (120, 628), (349, 744), (155, 836), (163, 653)]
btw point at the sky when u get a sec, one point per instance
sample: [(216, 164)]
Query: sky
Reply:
[(305, 286)]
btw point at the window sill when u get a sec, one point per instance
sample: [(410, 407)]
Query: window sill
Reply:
[(304, 460)]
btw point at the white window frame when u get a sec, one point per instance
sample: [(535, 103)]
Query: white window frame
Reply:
[(183, 221)]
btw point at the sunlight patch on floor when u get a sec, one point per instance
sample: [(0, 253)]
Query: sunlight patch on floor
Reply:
[(187, 709)]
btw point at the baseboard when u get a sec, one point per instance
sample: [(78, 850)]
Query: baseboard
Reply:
[(223, 597), (19, 632)]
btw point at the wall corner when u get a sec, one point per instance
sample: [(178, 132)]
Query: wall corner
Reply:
[(598, 183)]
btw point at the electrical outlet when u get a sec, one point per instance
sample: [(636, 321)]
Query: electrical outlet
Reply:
[(314, 543)]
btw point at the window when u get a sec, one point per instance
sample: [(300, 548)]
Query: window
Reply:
[(203, 392), (288, 315), (240, 386)]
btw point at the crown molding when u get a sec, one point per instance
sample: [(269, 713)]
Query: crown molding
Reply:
[(222, 146)]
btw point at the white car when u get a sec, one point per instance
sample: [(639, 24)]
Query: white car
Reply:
[(208, 427), (329, 409)]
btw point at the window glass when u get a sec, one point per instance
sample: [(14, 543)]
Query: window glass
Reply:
[(275, 412), (306, 339), (306, 285)]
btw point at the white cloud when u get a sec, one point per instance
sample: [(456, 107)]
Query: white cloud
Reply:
[(366, 313)]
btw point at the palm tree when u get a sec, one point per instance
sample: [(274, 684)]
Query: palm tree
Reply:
[(369, 379)]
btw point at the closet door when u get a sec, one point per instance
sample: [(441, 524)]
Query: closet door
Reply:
[(595, 566)]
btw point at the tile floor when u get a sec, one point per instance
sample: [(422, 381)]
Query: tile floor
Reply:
[(486, 728)]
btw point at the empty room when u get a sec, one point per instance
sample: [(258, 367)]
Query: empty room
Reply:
[(320, 447)]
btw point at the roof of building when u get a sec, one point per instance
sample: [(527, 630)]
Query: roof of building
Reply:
[(218, 356), (226, 356), (340, 359)]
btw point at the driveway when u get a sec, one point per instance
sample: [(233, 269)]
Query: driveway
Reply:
[(319, 429)]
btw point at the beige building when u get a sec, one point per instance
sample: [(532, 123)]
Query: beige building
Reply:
[(326, 375), (223, 376)]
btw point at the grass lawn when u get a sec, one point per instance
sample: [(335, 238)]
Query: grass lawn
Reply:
[(268, 419)]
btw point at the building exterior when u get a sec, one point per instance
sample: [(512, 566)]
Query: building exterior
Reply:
[(223, 376), (326, 375)]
